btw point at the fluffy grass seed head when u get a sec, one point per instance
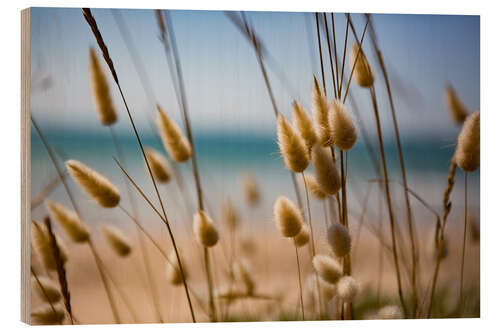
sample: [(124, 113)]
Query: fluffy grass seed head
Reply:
[(159, 165), (40, 242), (343, 130), (390, 312), (230, 215), (69, 221), (204, 229), (339, 240), (173, 271), (347, 288), (320, 112), (117, 240), (175, 143), (328, 290), (302, 237), (327, 268), (363, 73), (98, 187), (251, 190), (51, 289), (101, 92), (467, 153), (292, 146), (456, 108), (313, 187), (287, 217), (45, 315), (304, 125), (325, 170), (242, 272)]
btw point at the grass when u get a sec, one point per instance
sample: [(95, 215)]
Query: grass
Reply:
[(273, 295)]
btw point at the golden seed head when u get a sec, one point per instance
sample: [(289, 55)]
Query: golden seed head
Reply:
[(69, 221), (175, 143), (363, 72), (241, 271), (325, 170), (101, 92), (98, 187), (118, 241), (231, 217), (328, 290), (159, 165), (302, 237), (45, 315), (320, 115), (347, 288), (339, 240), (41, 244), (204, 229), (456, 108), (50, 292), (343, 130), (467, 153), (304, 125), (287, 217), (313, 187), (173, 271), (327, 268), (390, 312), (292, 147), (251, 190)]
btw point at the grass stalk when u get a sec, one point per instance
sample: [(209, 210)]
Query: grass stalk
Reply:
[(40, 285), (313, 246), (151, 285), (440, 230), (388, 199), (194, 162), (95, 30), (320, 53), (73, 202), (330, 55), (462, 265), (409, 215), (300, 282)]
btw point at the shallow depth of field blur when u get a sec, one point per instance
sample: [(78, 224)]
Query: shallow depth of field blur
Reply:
[(234, 131)]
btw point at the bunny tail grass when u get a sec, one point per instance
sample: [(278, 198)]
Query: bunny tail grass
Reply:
[(61, 270), (40, 242), (325, 170), (456, 108), (173, 272), (342, 127), (467, 154), (363, 73), (287, 217), (175, 143), (320, 112), (44, 314), (100, 89), (69, 221), (304, 125), (327, 268), (204, 229), (117, 240), (292, 146), (159, 165), (98, 187)]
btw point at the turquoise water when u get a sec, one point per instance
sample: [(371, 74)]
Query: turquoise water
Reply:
[(224, 157)]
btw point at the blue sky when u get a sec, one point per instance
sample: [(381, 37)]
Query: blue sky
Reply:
[(224, 86)]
